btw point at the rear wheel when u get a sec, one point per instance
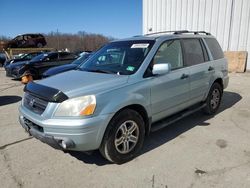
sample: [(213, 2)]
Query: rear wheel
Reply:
[(124, 137), (213, 99), (39, 45)]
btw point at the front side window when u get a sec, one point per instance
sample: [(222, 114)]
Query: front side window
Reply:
[(122, 57), (52, 57), (18, 38), (170, 52), (193, 51)]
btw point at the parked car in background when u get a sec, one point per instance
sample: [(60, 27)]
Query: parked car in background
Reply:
[(63, 68), (2, 59), (23, 57), (26, 41), (39, 64), (124, 91)]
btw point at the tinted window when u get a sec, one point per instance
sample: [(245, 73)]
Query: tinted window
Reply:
[(52, 57), (204, 51), (193, 51), (215, 48), (169, 52), (39, 57), (67, 56)]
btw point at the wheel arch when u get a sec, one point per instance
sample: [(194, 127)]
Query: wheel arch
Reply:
[(142, 111), (219, 81)]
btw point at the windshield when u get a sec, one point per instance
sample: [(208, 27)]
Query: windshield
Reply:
[(39, 57), (81, 59), (124, 57)]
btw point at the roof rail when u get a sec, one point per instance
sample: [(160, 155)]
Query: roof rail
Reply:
[(194, 32), (161, 32), (179, 32)]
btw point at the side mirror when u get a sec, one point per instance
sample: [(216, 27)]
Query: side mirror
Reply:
[(160, 69)]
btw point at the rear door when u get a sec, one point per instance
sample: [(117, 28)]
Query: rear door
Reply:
[(196, 57), (169, 92)]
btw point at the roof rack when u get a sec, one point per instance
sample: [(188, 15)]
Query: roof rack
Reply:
[(161, 32), (194, 32), (179, 32)]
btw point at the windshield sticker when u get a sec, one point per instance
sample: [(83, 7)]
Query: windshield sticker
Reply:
[(141, 45), (130, 68)]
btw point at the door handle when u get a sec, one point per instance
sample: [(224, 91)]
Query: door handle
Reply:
[(184, 76), (210, 68)]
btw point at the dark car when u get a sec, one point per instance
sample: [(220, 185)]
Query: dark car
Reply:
[(39, 64), (26, 41), (2, 59), (24, 57), (64, 68)]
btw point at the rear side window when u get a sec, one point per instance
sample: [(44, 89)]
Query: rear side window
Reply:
[(193, 52), (214, 48)]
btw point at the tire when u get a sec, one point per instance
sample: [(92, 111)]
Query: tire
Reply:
[(119, 145), (213, 99), (39, 45), (34, 74)]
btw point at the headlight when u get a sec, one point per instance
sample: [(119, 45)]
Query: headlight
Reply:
[(80, 106)]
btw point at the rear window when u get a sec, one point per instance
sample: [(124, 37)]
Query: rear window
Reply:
[(215, 48)]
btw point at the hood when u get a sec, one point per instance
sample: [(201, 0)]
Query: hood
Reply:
[(17, 64), (77, 83), (59, 69)]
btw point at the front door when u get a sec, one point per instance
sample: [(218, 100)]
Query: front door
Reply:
[(169, 92)]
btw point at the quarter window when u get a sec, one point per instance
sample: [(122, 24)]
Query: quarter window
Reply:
[(214, 48), (193, 51), (170, 52)]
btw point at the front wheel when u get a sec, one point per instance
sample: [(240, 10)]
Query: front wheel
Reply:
[(213, 99), (124, 137)]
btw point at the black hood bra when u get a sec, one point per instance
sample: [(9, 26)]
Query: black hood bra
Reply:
[(46, 93)]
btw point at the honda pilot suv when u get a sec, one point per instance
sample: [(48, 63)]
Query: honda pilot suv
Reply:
[(126, 90)]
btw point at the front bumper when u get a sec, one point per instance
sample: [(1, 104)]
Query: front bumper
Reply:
[(14, 73), (77, 134)]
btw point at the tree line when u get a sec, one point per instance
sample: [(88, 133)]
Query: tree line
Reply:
[(80, 41)]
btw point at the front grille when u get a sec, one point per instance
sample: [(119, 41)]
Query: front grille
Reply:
[(34, 104)]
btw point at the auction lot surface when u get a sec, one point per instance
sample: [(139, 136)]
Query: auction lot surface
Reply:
[(198, 151)]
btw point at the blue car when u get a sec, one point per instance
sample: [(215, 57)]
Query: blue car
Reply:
[(64, 68)]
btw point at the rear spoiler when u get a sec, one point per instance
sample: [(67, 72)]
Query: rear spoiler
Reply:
[(46, 93)]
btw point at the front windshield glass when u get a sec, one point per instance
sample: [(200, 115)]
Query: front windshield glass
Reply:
[(39, 57), (123, 58)]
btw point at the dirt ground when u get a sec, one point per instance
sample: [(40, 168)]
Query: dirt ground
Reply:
[(198, 151)]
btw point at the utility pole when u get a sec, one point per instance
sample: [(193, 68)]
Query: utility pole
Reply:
[(57, 39)]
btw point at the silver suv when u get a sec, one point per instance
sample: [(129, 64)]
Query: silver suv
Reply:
[(126, 90)]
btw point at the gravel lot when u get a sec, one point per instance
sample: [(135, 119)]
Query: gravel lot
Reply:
[(198, 151)]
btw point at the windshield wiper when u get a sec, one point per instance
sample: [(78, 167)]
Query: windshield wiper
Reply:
[(100, 71)]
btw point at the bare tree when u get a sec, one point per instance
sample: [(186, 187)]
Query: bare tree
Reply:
[(81, 41)]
